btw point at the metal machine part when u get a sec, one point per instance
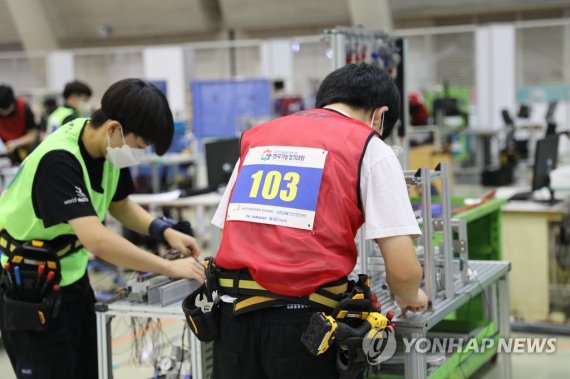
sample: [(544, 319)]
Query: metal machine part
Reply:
[(138, 288), (445, 258), (166, 293)]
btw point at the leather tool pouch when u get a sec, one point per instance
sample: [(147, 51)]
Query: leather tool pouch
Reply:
[(29, 301), (32, 316), (204, 325)]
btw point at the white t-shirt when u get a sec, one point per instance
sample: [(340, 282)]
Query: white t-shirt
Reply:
[(387, 208)]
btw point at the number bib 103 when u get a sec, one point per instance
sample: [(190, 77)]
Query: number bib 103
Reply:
[(278, 185)]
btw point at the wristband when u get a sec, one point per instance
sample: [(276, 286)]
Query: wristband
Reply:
[(157, 227)]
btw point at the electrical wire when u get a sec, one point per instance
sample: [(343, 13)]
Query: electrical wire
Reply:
[(182, 350)]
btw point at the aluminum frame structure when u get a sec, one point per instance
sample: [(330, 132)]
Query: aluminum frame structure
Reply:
[(423, 179), (492, 281)]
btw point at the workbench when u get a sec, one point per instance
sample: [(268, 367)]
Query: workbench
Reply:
[(528, 243), (491, 279), (105, 314)]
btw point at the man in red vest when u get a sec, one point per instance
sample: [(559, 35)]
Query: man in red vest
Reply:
[(303, 186), (18, 129)]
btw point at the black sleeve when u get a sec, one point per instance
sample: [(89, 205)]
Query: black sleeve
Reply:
[(69, 118), (30, 121), (125, 186), (59, 191)]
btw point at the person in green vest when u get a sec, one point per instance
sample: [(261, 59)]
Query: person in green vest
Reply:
[(61, 195), (76, 97)]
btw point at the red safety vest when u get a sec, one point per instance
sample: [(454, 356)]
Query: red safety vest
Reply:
[(14, 125), (295, 262)]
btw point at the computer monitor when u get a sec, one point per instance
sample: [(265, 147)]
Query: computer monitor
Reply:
[(550, 111), (221, 157), (524, 111), (546, 155), (549, 118), (507, 119)]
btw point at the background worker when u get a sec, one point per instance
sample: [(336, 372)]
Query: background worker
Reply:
[(359, 180), (76, 97), (18, 130), (48, 106), (63, 191)]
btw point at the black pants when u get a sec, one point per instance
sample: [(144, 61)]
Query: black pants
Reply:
[(266, 344), (68, 349)]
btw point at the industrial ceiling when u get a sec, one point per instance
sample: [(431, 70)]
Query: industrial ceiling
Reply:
[(77, 23)]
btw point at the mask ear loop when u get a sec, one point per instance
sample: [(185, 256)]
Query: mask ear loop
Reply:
[(372, 120), (382, 124), (122, 136)]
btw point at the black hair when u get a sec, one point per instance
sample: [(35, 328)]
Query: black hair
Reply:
[(362, 86), (141, 108), (49, 104), (278, 85), (76, 88), (6, 96)]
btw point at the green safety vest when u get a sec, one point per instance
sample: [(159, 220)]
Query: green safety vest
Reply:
[(55, 119), (17, 214)]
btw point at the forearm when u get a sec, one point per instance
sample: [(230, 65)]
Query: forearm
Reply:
[(403, 270), (115, 249), (131, 215), (28, 138), (405, 288)]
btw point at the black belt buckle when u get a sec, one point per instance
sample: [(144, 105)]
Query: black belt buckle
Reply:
[(212, 279)]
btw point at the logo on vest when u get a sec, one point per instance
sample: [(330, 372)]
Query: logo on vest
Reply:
[(80, 197), (281, 155), (265, 155)]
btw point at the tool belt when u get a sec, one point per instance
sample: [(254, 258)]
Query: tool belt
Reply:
[(30, 290), (63, 248), (251, 296)]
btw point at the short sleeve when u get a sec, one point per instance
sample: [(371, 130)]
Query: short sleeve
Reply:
[(387, 208), (220, 215), (125, 187), (59, 191)]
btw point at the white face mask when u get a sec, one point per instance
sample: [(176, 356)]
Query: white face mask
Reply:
[(83, 108), (7, 111), (124, 156)]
